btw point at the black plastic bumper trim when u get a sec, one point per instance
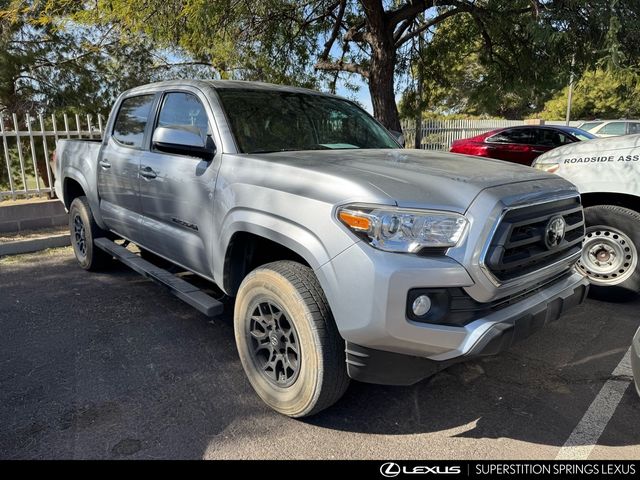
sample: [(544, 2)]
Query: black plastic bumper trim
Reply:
[(389, 368)]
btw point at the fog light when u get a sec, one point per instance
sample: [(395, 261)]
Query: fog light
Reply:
[(421, 305)]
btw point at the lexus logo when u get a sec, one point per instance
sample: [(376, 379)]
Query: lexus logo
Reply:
[(391, 469), (554, 232)]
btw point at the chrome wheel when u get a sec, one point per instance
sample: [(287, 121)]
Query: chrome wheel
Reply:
[(608, 256), (275, 347), (79, 236)]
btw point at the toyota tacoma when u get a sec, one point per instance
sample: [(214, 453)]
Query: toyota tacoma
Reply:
[(346, 255)]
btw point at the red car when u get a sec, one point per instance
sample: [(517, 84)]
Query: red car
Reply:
[(519, 144)]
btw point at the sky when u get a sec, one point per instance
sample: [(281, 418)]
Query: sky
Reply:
[(361, 96)]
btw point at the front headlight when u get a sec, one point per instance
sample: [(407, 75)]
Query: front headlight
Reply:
[(550, 167), (404, 230)]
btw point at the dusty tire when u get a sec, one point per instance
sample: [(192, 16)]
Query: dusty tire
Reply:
[(610, 252), (84, 230), (280, 308)]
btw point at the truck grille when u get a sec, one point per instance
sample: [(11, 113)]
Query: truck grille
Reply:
[(518, 246)]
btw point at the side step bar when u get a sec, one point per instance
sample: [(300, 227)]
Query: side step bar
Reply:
[(179, 287)]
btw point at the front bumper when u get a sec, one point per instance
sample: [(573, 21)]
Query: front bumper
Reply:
[(488, 336), (369, 304)]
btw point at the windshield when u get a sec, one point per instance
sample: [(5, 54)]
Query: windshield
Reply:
[(266, 121), (580, 134)]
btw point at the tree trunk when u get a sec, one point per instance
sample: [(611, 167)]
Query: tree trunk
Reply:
[(418, 119), (381, 87)]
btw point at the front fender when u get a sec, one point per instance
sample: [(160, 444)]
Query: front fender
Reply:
[(295, 237)]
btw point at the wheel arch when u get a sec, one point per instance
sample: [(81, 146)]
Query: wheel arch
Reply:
[(75, 185), (247, 251), (72, 188), (626, 200)]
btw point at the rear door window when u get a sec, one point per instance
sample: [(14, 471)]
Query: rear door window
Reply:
[(524, 136), (131, 122), (549, 137), (634, 127)]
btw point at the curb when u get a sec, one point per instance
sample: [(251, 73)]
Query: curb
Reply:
[(34, 245)]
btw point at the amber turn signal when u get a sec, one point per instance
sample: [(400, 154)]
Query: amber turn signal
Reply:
[(357, 222)]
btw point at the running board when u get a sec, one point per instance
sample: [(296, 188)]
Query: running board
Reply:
[(179, 287)]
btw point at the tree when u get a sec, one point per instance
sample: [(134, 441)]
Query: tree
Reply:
[(311, 42), (49, 63), (52, 61), (529, 61), (598, 94), (288, 41), (461, 80)]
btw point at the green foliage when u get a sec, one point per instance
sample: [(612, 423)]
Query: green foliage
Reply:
[(501, 58), (53, 59), (264, 40), (598, 94), (509, 65)]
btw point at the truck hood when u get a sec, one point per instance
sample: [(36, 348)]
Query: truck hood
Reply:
[(411, 178)]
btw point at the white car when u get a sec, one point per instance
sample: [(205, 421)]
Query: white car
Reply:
[(611, 128), (607, 174)]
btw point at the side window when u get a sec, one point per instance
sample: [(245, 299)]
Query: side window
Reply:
[(549, 137), (184, 111), (613, 128), (128, 129), (634, 127), (524, 136)]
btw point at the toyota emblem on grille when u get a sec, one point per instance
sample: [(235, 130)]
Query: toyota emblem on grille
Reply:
[(554, 232)]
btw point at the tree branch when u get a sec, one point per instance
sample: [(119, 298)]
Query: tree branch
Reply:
[(408, 10), (168, 65), (375, 15), (403, 28), (334, 33), (341, 67), (429, 24)]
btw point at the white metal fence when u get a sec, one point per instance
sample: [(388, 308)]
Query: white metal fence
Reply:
[(440, 134), (28, 142)]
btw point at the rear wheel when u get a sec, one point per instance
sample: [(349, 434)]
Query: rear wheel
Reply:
[(610, 252), (287, 340), (84, 230)]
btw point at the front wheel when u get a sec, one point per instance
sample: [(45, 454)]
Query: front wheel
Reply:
[(287, 340), (84, 231), (610, 252)]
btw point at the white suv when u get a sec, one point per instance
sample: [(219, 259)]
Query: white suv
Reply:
[(611, 128)]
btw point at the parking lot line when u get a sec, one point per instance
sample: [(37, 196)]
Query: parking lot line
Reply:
[(586, 434)]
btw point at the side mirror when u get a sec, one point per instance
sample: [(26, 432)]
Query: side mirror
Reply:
[(399, 136), (183, 142)]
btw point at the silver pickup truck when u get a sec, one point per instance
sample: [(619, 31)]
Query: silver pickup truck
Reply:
[(347, 256)]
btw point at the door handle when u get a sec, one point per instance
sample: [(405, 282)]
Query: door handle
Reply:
[(105, 164), (538, 151), (147, 172)]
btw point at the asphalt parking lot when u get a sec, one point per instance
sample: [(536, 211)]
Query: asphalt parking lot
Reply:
[(110, 365)]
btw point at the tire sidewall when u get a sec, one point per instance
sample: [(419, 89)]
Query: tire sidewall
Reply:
[(301, 396), (78, 208), (616, 218)]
